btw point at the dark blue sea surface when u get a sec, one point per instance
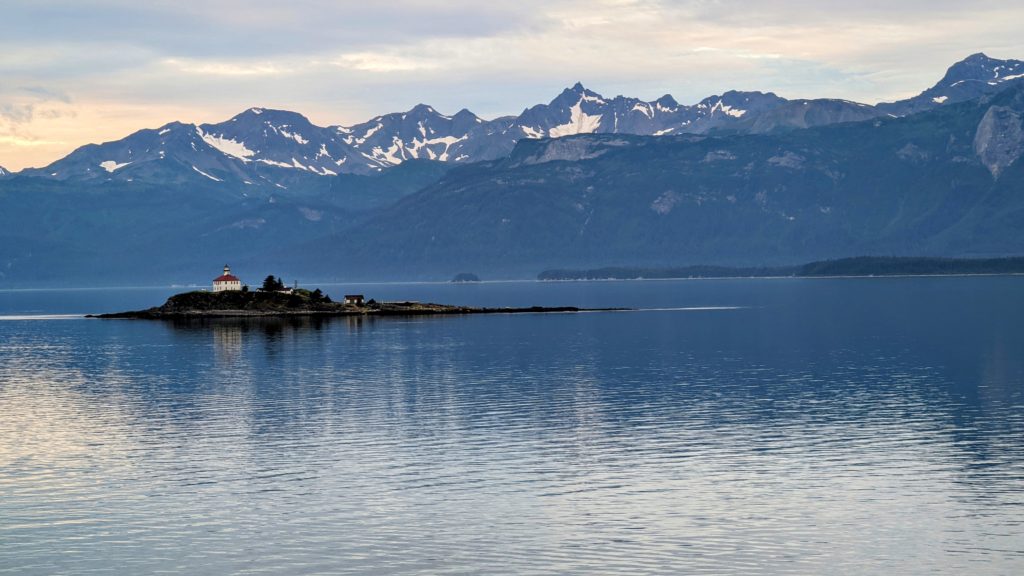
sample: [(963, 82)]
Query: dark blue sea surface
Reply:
[(804, 426)]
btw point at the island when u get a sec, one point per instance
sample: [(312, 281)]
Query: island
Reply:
[(301, 302), (465, 277)]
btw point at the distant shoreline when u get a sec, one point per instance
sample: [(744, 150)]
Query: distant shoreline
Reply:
[(790, 277), (860, 267)]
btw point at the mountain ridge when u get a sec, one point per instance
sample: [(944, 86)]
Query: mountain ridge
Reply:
[(263, 147), (942, 182), (919, 185)]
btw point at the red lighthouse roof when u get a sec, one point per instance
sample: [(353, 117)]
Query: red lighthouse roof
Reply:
[(226, 276)]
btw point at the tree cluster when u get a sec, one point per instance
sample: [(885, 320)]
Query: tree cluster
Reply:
[(271, 284), (317, 297)]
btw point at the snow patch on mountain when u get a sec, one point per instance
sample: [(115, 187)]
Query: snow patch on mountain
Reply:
[(226, 145), (425, 145), (579, 122), (644, 109), (373, 130), (724, 108), (274, 163), (531, 132), (294, 136), (111, 166), (214, 178), (394, 155)]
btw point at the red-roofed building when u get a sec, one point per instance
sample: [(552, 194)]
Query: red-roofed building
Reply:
[(226, 281)]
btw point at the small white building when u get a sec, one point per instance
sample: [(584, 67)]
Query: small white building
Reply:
[(226, 281)]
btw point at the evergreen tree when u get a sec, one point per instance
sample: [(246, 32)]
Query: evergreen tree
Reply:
[(271, 284)]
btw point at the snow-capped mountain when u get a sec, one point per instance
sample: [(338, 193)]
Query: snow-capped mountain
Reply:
[(578, 110), (3, 172), (257, 146), (420, 133), (969, 78), (263, 147)]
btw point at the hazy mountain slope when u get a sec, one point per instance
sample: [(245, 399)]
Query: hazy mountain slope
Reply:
[(914, 185), (762, 180), (108, 232)]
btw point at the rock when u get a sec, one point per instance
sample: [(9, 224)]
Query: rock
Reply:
[(999, 140)]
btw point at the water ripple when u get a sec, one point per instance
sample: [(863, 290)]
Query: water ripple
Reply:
[(735, 441)]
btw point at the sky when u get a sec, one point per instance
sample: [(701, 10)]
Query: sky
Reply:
[(82, 71)]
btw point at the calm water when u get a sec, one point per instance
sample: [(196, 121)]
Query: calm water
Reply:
[(850, 426)]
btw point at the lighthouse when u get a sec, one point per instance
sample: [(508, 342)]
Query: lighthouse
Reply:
[(226, 281)]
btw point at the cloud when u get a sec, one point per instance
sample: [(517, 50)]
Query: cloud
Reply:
[(381, 62), (24, 142), (24, 104), (46, 94), (17, 113), (222, 68), (256, 28)]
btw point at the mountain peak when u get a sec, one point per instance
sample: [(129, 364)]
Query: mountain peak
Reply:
[(574, 93), (422, 109), (270, 115), (976, 61), (249, 113), (667, 101), (976, 67), (977, 57), (174, 124)]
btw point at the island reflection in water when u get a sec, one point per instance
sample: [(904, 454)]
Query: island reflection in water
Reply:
[(859, 427)]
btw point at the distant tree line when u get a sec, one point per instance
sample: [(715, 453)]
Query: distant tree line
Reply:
[(626, 273), (857, 266), (911, 266)]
